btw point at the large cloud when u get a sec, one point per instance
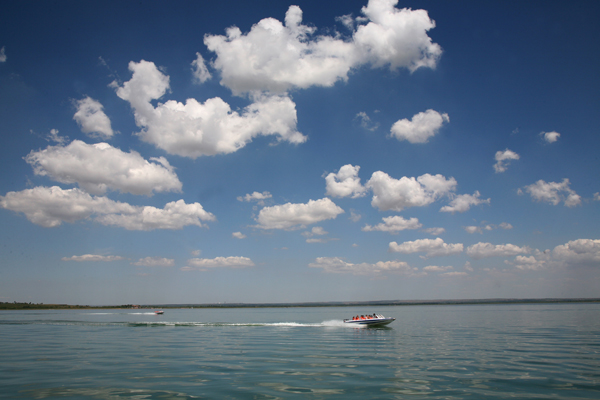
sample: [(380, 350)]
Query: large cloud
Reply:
[(345, 183), (394, 225), (51, 206), (578, 252), (195, 129), (431, 247), (484, 250), (397, 194), (99, 167), (422, 126), (553, 193), (277, 57), (338, 265), (290, 215), (91, 118)]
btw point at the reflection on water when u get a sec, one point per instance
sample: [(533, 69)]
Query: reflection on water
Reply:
[(433, 352)]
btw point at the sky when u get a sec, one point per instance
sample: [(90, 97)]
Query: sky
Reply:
[(262, 152)]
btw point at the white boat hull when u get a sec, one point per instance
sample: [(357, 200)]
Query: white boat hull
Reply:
[(371, 321)]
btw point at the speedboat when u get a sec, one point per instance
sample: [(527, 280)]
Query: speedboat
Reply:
[(377, 320), (159, 312)]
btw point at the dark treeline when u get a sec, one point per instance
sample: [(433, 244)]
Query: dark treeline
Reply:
[(41, 306)]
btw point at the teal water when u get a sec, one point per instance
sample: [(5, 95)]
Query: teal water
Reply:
[(534, 351)]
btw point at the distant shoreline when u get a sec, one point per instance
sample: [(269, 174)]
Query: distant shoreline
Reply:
[(377, 303)]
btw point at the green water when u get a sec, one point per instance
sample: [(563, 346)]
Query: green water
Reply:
[(535, 351)]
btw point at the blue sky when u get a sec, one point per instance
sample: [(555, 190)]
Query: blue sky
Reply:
[(257, 152)]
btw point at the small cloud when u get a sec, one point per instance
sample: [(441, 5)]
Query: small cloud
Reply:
[(2, 55), (473, 229), (259, 198), (204, 264), (553, 193), (503, 158), (366, 122), (435, 231), (54, 137), (550, 137), (155, 262), (422, 126), (355, 217), (92, 257), (196, 253), (199, 70), (238, 235)]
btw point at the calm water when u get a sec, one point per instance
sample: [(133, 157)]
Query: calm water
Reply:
[(542, 351)]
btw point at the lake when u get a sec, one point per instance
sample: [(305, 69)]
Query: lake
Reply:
[(528, 351)]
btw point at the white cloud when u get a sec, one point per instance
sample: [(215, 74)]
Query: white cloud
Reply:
[(345, 183), (454, 273), (473, 229), (435, 231), (2, 55), (553, 193), (580, 252), (431, 247), (199, 70), (238, 235), (484, 250), (155, 262), (366, 122), (436, 268), (204, 264), (597, 196), (50, 207), (99, 167), (93, 257), (197, 129), (394, 225), (56, 138), (463, 202), (503, 159), (91, 118), (278, 57), (422, 126), (338, 265), (315, 231), (527, 263), (397, 194), (506, 225), (354, 216), (255, 196), (550, 137), (290, 215), (175, 215)]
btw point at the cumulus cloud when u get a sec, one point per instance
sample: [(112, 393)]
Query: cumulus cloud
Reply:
[(422, 126), (394, 225), (338, 265), (484, 250), (53, 136), (553, 193), (2, 55), (51, 206), (463, 202), (550, 137), (290, 215), (199, 70), (99, 167), (580, 252), (197, 129), (155, 262), (277, 57), (205, 264), (238, 235), (527, 263), (397, 194), (93, 257), (255, 196), (91, 118), (431, 247), (503, 158), (345, 183)]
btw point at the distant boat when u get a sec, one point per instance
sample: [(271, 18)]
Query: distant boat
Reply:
[(159, 312), (376, 320)]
